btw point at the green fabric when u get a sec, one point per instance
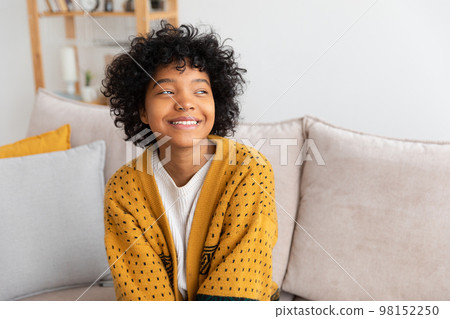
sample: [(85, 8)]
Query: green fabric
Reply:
[(221, 298)]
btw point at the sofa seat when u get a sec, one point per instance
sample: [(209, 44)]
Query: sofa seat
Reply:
[(95, 293)]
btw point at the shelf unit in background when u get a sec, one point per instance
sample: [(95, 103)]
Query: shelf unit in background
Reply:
[(142, 14)]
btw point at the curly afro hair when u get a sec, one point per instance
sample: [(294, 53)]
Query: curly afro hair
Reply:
[(127, 77)]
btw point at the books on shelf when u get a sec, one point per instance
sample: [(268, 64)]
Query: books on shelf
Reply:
[(59, 5), (56, 7), (49, 6), (70, 5), (62, 5)]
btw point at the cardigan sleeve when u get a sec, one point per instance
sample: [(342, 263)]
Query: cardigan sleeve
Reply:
[(137, 270), (241, 265)]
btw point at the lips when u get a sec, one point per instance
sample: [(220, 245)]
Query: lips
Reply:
[(185, 125), (184, 118)]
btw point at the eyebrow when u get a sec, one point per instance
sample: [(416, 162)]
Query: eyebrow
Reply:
[(172, 80)]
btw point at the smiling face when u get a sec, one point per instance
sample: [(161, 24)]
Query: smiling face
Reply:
[(180, 105)]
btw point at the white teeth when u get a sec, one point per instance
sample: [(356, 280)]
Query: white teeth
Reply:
[(184, 123)]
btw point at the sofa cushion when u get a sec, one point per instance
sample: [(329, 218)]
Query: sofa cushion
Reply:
[(51, 234), (376, 219), (88, 122), (267, 138), (52, 141)]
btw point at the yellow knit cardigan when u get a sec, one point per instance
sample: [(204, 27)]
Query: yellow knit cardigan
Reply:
[(234, 230)]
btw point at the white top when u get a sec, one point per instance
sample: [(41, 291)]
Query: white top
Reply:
[(179, 203)]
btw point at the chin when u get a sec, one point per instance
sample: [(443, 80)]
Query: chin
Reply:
[(186, 141)]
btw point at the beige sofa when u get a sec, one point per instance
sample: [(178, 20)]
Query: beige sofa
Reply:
[(361, 217)]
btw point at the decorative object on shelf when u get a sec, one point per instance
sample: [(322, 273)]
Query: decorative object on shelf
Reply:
[(109, 6), (69, 5), (49, 6), (88, 93), (62, 5), (87, 77), (89, 5), (54, 5), (128, 6), (69, 68), (157, 5)]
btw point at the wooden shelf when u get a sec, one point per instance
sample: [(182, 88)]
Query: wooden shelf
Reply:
[(152, 15), (81, 13), (142, 14), (156, 15)]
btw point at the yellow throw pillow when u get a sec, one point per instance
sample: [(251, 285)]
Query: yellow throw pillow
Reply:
[(57, 140)]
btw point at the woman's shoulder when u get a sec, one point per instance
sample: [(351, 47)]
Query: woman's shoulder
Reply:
[(121, 174), (133, 168), (240, 154), (252, 159), (242, 166)]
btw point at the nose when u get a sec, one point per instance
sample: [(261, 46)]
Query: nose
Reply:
[(183, 102)]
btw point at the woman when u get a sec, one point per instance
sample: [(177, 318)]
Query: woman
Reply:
[(193, 217)]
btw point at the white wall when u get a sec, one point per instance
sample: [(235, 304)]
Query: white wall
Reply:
[(16, 71), (388, 74)]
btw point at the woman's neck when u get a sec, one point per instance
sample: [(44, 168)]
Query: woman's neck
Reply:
[(182, 164)]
